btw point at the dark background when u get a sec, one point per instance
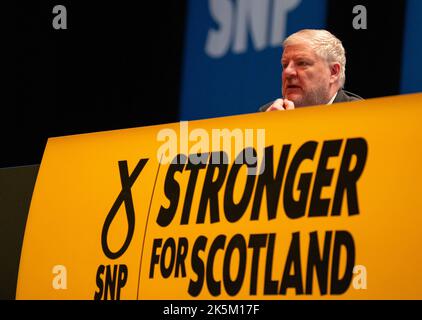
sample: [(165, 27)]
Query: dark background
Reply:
[(118, 65)]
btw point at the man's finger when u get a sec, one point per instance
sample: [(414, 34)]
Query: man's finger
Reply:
[(277, 105), (288, 105)]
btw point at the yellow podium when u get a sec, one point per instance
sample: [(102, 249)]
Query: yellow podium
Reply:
[(317, 203)]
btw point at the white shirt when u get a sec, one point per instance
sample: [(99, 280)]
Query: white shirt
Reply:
[(332, 99)]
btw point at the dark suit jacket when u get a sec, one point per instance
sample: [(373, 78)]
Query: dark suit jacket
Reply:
[(342, 96)]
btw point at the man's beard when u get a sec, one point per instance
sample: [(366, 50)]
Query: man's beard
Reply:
[(314, 97)]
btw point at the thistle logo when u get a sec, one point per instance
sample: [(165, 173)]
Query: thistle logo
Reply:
[(111, 279)]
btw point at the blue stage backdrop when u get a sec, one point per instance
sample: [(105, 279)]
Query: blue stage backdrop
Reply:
[(232, 52), (412, 49)]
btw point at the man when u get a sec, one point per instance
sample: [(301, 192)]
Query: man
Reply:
[(314, 65)]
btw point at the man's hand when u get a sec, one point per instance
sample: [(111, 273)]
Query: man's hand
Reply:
[(281, 104)]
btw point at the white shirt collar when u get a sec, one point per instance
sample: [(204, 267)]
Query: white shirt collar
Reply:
[(332, 99)]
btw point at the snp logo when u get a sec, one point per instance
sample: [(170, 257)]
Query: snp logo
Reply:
[(112, 278), (264, 20)]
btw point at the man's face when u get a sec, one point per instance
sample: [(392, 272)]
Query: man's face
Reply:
[(306, 77)]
